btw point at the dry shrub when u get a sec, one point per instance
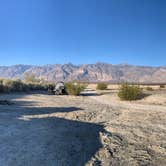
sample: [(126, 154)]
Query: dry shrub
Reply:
[(102, 86), (162, 86), (7, 85), (130, 92), (74, 88), (1, 88), (149, 88)]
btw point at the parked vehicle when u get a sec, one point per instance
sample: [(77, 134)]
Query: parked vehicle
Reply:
[(59, 89)]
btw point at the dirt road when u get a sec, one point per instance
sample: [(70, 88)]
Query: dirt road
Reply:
[(47, 130)]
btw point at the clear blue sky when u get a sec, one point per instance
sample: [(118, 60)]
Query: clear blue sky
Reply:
[(83, 31)]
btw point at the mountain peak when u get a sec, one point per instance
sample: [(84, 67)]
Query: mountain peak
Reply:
[(88, 72)]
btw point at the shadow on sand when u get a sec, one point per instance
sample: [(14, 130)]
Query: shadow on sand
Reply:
[(29, 137)]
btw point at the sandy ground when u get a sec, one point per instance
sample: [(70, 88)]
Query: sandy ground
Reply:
[(116, 86), (91, 130)]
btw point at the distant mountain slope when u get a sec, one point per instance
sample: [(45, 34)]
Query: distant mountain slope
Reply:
[(90, 72)]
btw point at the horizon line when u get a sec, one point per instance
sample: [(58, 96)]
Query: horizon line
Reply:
[(74, 64)]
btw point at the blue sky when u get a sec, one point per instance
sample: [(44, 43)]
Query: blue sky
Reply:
[(83, 31)]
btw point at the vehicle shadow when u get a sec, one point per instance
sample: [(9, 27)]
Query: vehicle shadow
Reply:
[(33, 136), (90, 94)]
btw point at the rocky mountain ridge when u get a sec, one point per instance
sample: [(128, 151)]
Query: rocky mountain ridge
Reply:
[(88, 72)]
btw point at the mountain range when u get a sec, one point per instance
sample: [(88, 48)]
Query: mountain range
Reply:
[(88, 72)]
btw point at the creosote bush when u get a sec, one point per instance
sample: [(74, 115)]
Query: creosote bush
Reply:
[(30, 78), (1, 88), (130, 92), (149, 88), (102, 86), (74, 88), (7, 85), (162, 86)]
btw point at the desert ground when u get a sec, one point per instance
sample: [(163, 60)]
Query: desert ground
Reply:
[(89, 130)]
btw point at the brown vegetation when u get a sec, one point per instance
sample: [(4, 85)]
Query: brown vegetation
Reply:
[(7, 85)]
